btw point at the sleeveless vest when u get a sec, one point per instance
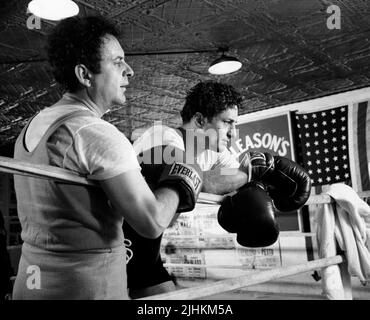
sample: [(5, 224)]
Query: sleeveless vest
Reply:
[(59, 216)]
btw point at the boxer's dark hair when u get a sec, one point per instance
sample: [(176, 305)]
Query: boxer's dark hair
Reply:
[(210, 98), (77, 40)]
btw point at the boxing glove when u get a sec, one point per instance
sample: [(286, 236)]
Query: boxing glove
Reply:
[(289, 185), (165, 166), (251, 215), (257, 165)]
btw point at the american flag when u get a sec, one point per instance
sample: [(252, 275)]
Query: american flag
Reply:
[(324, 142), (333, 146), (359, 119)]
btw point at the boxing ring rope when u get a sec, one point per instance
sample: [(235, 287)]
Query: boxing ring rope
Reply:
[(12, 166), (231, 284), (209, 198)]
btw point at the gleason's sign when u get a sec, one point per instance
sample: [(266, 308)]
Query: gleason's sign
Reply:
[(272, 135)]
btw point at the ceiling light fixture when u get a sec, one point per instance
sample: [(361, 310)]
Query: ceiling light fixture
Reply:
[(224, 64), (53, 9)]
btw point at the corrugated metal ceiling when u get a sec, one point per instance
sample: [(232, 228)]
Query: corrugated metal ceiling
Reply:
[(288, 54)]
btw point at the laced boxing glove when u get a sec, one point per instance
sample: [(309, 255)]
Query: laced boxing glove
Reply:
[(257, 164), (165, 166), (288, 184), (251, 215)]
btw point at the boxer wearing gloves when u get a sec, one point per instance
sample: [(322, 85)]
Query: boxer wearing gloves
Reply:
[(210, 108)]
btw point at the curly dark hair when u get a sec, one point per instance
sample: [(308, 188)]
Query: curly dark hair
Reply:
[(77, 40), (209, 98)]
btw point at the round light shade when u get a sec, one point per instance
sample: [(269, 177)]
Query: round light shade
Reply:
[(53, 9), (224, 65)]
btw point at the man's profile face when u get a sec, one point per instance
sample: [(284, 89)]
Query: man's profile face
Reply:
[(221, 128), (109, 86)]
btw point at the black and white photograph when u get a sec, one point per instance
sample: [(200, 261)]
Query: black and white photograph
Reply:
[(186, 156)]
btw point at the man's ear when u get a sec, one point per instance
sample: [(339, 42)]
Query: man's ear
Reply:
[(199, 120), (83, 75)]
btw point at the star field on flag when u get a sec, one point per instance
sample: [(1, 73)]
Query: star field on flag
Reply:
[(324, 138)]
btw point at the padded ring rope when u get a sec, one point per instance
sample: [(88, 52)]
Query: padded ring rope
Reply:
[(13, 166), (244, 281)]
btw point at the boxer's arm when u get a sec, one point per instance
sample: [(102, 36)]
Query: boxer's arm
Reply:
[(147, 212), (223, 180), (225, 175)]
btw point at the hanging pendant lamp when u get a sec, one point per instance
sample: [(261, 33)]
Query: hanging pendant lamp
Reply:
[(53, 9), (224, 65)]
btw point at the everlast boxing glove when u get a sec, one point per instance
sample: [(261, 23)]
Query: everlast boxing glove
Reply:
[(250, 214), (164, 166)]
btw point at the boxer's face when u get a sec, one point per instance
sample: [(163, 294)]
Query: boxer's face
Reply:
[(109, 86), (223, 126)]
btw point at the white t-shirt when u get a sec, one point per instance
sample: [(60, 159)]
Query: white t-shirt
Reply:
[(158, 135), (85, 144)]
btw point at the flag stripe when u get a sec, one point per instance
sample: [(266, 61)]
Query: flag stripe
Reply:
[(352, 146), (367, 137), (361, 144)]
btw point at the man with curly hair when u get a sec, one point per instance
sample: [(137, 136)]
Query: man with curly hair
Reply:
[(209, 118), (74, 247)]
